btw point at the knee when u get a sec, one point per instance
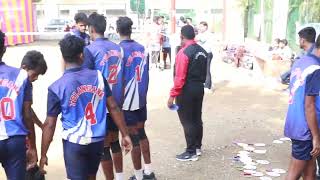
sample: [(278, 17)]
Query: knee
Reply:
[(135, 140), (115, 147), (106, 155), (142, 134)]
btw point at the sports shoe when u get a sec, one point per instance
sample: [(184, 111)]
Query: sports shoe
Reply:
[(198, 152), (151, 176), (186, 156), (133, 178)]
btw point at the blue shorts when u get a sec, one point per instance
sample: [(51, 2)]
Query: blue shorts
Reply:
[(132, 118), (82, 161), (111, 126), (13, 157), (301, 149)]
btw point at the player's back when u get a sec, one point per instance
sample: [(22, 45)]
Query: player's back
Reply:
[(136, 75), (13, 82), (106, 56), (82, 97)]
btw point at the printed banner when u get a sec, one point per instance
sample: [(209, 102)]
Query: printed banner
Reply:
[(17, 16)]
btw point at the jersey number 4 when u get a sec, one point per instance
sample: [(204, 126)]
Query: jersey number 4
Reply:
[(89, 114), (7, 109)]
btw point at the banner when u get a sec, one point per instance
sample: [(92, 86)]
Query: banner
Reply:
[(17, 16)]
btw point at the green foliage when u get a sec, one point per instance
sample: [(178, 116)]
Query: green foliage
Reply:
[(190, 14), (309, 11), (36, 0), (138, 6)]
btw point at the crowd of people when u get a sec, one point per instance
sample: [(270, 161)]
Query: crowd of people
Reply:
[(105, 95)]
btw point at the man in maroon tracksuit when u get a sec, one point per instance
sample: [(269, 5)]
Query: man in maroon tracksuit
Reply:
[(189, 78)]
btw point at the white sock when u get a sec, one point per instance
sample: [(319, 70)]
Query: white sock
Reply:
[(120, 176), (148, 169), (138, 174)]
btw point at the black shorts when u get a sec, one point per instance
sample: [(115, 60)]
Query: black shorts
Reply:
[(132, 118), (111, 126), (166, 49), (301, 149)]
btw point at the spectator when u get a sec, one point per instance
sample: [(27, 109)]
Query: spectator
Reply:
[(284, 52), (205, 39)]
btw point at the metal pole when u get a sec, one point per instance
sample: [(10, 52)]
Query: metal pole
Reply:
[(224, 26), (173, 16)]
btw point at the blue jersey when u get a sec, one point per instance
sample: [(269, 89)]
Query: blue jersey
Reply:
[(303, 70), (83, 36), (106, 56), (15, 89), (80, 95), (136, 75)]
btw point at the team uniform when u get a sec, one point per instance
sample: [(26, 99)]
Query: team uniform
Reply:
[(15, 89), (106, 56), (304, 81), (80, 35), (136, 82), (81, 96)]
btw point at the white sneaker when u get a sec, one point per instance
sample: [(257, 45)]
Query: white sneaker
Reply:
[(207, 91), (198, 152)]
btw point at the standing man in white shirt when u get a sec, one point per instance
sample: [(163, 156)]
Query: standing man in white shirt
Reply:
[(205, 40)]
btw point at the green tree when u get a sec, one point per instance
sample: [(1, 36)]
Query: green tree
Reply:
[(138, 6), (309, 11)]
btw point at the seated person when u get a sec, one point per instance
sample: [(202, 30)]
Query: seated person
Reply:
[(284, 52)]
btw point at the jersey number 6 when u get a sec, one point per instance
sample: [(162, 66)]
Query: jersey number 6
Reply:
[(89, 114)]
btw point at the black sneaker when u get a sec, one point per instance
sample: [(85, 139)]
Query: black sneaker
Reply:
[(133, 178), (151, 176), (145, 177), (186, 156)]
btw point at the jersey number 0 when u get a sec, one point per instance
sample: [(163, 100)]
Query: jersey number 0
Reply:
[(7, 108)]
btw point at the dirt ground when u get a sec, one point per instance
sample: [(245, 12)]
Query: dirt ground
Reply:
[(242, 109)]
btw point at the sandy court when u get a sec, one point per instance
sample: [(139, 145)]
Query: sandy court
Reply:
[(241, 109)]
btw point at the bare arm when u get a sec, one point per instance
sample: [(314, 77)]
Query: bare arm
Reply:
[(49, 127), (27, 115), (311, 116), (35, 119), (117, 116)]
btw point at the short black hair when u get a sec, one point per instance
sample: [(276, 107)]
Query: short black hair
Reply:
[(189, 18), (204, 23), (124, 25), (71, 47), (308, 33), (317, 43), (284, 41), (277, 40), (81, 17), (34, 60), (98, 22), (2, 41), (188, 32)]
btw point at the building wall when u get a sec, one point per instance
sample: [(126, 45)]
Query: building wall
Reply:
[(66, 9)]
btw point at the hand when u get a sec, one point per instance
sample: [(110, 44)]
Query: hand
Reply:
[(126, 144), (316, 147), (32, 158), (170, 102), (43, 161)]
